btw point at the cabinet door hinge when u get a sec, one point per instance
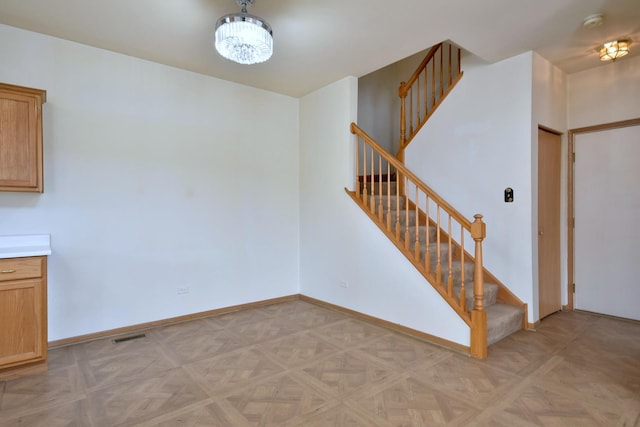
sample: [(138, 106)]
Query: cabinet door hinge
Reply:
[(573, 287), (573, 157)]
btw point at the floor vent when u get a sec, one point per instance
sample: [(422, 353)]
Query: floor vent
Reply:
[(132, 337)]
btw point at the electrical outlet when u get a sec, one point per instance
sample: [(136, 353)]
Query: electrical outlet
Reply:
[(344, 284), (182, 290)]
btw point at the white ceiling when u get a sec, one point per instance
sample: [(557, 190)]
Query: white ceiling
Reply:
[(321, 41)]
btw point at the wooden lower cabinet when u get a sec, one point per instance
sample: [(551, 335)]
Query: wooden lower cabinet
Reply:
[(23, 316)]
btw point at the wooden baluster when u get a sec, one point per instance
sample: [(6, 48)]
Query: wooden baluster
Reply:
[(389, 196), (372, 204), (441, 71), (450, 275), (380, 208), (410, 111), (463, 292), (365, 198), (438, 263), (417, 222), (433, 82), (418, 101), (427, 238), (406, 215), (450, 70), (358, 189), (403, 115), (426, 91), (398, 206)]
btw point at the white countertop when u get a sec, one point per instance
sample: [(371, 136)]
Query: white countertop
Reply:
[(25, 245)]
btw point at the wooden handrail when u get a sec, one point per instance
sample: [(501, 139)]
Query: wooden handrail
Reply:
[(430, 94), (356, 130), (418, 70)]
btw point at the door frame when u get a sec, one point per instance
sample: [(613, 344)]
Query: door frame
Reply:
[(571, 198), (559, 213)]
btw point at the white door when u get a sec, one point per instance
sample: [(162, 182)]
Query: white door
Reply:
[(607, 222)]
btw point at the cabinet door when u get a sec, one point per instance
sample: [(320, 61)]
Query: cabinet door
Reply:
[(20, 141), (21, 323)]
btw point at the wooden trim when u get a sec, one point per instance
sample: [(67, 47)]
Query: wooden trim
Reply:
[(550, 130), (9, 373), (570, 220), (606, 126), (169, 321), (479, 334), (32, 91), (390, 325), (534, 325), (609, 316), (571, 196)]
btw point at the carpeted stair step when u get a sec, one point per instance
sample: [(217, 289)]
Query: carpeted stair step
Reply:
[(393, 201), (387, 188), (490, 294), (490, 289), (502, 321), (421, 233), (469, 269), (433, 252), (402, 217)]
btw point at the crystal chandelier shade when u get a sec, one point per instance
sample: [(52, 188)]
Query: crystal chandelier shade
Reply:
[(244, 38)]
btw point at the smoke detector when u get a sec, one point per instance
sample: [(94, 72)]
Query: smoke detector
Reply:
[(592, 21)]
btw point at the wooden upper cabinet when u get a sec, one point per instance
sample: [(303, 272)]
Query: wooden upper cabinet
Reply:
[(21, 138)]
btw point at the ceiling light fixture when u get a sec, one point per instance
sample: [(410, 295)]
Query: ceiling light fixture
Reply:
[(615, 49), (244, 38)]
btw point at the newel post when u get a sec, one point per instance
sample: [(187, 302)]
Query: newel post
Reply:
[(478, 314)]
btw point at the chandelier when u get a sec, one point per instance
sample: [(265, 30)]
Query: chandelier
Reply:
[(244, 38), (613, 50)]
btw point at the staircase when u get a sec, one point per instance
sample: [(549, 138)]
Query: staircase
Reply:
[(443, 245)]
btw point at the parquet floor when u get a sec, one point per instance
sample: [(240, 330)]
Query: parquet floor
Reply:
[(298, 364)]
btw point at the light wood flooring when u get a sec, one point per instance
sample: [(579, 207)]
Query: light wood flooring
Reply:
[(299, 364)]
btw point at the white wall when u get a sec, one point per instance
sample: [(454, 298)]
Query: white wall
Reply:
[(339, 242), (155, 178), (605, 94), (549, 111), (475, 145)]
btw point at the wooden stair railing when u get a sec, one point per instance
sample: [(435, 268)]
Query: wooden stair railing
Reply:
[(425, 90), (425, 228)]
